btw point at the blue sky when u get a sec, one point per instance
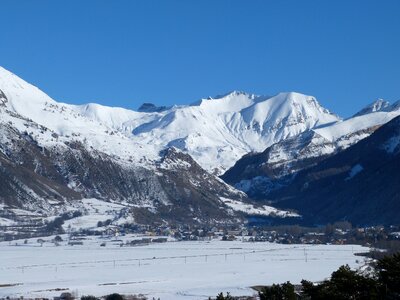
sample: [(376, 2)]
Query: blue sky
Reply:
[(124, 53)]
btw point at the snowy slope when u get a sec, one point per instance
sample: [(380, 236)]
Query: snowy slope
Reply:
[(324, 141), (355, 124)]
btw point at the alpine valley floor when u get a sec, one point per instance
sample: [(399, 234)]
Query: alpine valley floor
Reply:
[(171, 270)]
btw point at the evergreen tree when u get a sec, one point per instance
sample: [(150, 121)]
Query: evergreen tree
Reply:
[(114, 296), (222, 297), (388, 269), (278, 292), (344, 284)]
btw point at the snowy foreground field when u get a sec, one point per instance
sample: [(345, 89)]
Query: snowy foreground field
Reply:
[(172, 270)]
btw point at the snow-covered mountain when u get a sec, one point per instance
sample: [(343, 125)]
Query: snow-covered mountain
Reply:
[(160, 163), (88, 124), (215, 132), (53, 154), (258, 174)]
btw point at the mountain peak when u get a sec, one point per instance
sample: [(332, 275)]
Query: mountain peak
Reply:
[(233, 94), (377, 105), (150, 107), (304, 104), (230, 95), (232, 101), (299, 98)]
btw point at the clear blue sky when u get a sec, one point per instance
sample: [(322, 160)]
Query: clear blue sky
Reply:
[(123, 53)]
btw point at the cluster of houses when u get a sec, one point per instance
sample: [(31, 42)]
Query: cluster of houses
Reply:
[(338, 233)]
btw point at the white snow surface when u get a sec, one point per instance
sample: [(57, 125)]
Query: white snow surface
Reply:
[(171, 271), (263, 210), (95, 210), (215, 132), (355, 124)]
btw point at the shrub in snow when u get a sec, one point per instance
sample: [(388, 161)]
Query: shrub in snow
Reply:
[(89, 298), (114, 296)]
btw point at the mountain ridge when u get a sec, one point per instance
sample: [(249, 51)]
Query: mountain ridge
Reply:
[(229, 126)]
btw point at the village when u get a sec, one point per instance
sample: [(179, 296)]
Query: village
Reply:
[(339, 233)]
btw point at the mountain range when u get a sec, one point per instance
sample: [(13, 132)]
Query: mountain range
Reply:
[(217, 160)]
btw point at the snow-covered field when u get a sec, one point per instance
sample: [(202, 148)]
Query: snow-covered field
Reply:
[(172, 270)]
